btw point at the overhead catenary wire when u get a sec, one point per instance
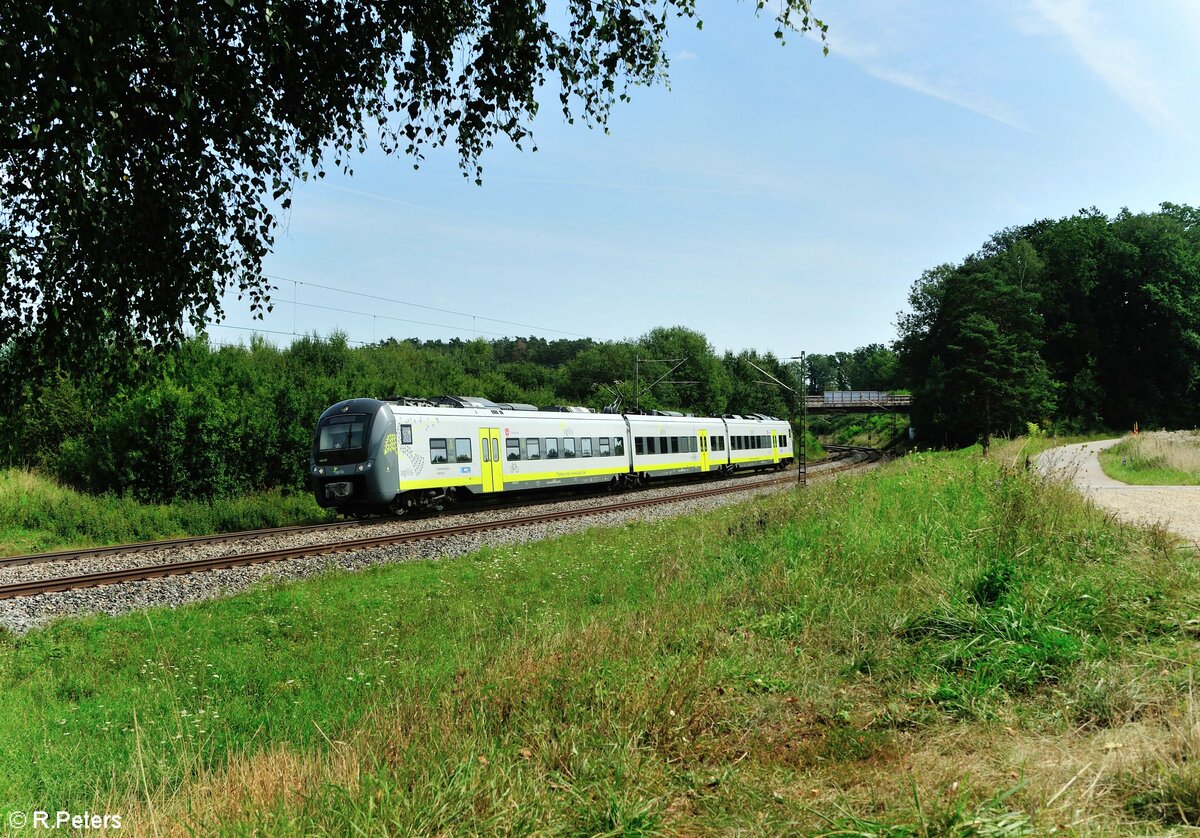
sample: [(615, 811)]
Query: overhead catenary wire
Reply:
[(268, 332), (455, 312), (398, 319)]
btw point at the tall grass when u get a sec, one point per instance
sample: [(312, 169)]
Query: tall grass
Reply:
[(945, 646), (37, 514), (1155, 458)]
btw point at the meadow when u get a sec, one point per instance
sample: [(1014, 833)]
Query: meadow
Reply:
[(944, 646)]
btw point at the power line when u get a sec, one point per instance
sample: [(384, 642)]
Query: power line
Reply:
[(426, 307)]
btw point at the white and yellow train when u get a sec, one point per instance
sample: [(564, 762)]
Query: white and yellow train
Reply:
[(374, 456)]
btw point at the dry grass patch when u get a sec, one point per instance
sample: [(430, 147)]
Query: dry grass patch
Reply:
[(1155, 458)]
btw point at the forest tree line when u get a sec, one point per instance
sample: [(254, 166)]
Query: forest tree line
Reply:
[(1079, 323), (209, 421)]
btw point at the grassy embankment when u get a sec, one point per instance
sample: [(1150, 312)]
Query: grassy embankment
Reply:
[(38, 514), (1155, 458), (945, 644)]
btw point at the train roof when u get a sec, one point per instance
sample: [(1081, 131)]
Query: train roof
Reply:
[(477, 405)]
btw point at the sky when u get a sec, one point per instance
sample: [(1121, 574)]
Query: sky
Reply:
[(772, 198)]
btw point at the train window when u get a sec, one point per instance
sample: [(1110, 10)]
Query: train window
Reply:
[(483, 451), (437, 451), (695, 443), (639, 445), (674, 445), (783, 440), (552, 448), (619, 446), (605, 447), (340, 433), (662, 445), (495, 451), (585, 446), (533, 449), (568, 447), (651, 441), (406, 434), (512, 449), (462, 450)]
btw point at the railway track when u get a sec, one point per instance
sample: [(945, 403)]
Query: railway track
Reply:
[(156, 571), (840, 452)]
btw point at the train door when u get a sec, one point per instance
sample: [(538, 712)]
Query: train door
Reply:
[(493, 468), (703, 450), (775, 445)]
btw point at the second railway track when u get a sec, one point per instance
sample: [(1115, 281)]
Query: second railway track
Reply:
[(154, 571)]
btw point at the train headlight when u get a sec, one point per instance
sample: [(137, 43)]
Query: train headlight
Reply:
[(319, 469), (365, 466)]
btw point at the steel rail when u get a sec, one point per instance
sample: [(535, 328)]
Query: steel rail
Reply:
[(157, 571), (167, 543)]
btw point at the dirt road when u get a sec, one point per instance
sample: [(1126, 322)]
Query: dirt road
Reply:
[(1176, 507)]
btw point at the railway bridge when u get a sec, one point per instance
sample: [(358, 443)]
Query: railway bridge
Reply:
[(858, 401)]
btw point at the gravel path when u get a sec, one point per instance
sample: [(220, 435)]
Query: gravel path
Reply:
[(20, 615), (1175, 507)]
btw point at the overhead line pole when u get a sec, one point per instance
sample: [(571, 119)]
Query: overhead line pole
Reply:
[(802, 464)]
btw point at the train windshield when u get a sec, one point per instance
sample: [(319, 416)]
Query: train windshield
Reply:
[(342, 433)]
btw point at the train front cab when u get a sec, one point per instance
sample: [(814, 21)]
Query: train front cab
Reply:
[(353, 465)]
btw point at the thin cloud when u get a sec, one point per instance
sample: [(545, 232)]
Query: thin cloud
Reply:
[(872, 57), (684, 55), (976, 103), (1117, 60)]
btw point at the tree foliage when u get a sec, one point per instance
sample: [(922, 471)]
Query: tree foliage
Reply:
[(1084, 321), (147, 148)]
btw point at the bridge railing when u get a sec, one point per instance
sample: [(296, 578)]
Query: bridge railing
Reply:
[(859, 400)]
